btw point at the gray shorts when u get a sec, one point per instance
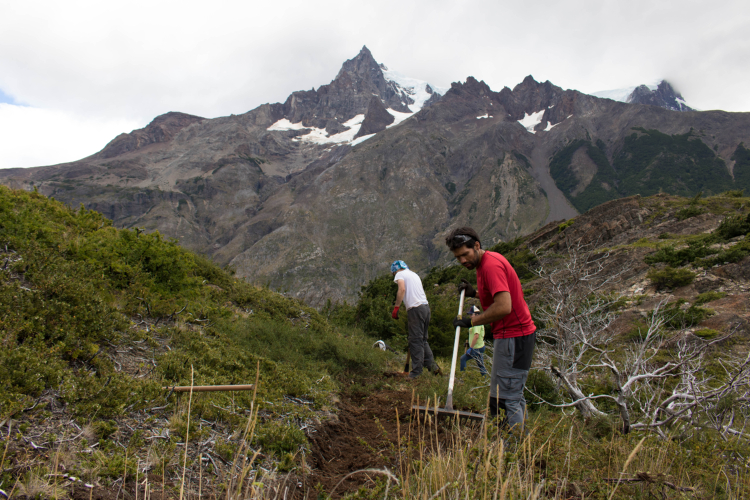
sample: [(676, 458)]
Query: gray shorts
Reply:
[(511, 360)]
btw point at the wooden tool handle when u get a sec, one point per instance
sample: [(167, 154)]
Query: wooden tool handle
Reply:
[(212, 388)]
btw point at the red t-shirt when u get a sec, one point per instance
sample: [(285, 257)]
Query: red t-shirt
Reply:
[(495, 274)]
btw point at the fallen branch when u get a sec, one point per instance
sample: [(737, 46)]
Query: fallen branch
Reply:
[(212, 388)]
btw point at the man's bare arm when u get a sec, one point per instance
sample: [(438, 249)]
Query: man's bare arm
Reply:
[(401, 292), (500, 308)]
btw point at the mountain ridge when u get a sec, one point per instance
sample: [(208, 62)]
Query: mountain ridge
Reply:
[(293, 195)]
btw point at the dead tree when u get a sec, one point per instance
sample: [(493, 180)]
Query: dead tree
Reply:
[(577, 314), (578, 345)]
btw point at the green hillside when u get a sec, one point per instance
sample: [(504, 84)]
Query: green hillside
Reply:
[(98, 324), (648, 162), (77, 296)]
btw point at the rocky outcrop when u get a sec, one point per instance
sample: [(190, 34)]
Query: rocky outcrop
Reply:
[(161, 129), (376, 119), (348, 95)]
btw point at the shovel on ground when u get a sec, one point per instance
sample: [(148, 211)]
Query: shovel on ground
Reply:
[(447, 410)]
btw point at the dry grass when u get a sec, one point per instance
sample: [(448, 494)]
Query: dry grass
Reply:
[(557, 458), (35, 485)]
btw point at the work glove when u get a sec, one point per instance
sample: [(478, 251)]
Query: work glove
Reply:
[(394, 314), (465, 285), (462, 322)]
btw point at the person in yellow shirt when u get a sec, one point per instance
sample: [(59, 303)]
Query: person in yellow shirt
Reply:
[(475, 345)]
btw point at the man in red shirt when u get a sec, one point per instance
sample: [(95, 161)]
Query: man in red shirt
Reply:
[(501, 296)]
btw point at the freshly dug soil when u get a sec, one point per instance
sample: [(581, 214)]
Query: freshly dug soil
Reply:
[(366, 436)]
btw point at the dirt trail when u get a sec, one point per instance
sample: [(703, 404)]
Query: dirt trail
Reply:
[(365, 436)]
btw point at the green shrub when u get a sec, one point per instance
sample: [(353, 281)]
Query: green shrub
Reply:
[(735, 193), (689, 211), (708, 297), (677, 317), (373, 311), (279, 438), (731, 227), (735, 253), (670, 277), (707, 333), (697, 248), (565, 225), (104, 428), (541, 384), (602, 426)]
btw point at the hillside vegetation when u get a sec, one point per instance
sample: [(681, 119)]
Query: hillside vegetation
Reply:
[(649, 162), (96, 321), (98, 324)]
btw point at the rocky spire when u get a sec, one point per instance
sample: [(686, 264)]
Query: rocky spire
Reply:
[(346, 96)]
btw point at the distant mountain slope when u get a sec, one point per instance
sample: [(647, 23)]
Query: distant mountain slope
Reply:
[(318, 194)]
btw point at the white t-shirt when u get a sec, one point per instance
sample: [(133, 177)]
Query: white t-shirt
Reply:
[(414, 295)]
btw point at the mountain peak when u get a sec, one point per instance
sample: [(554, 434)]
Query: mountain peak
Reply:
[(664, 96), (363, 65), (658, 93)]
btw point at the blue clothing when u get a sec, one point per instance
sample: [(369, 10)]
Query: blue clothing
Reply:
[(477, 355)]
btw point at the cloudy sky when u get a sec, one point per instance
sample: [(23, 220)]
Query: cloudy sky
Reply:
[(75, 74)]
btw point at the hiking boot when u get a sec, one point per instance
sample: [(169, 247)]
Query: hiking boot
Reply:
[(436, 370)]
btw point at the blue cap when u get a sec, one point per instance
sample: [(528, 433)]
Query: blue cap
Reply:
[(397, 265)]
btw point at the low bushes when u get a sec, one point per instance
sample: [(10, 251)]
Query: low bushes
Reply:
[(670, 277)]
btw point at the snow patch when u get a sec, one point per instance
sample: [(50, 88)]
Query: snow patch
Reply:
[(399, 117), (319, 135), (623, 93), (361, 139), (550, 126), (285, 124), (414, 88), (532, 120), (486, 115)]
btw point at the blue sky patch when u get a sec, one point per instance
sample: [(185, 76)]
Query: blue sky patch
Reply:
[(5, 98)]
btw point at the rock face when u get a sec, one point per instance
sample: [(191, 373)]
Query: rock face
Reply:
[(287, 196), (162, 129), (348, 95), (664, 96), (376, 119)]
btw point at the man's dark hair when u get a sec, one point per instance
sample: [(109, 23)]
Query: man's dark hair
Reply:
[(462, 236)]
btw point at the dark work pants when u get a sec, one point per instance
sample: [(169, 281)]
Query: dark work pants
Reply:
[(421, 355), (511, 360)]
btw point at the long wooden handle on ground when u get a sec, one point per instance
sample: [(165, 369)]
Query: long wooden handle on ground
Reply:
[(449, 399), (212, 388)]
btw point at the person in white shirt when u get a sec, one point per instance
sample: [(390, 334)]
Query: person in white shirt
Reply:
[(411, 293)]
